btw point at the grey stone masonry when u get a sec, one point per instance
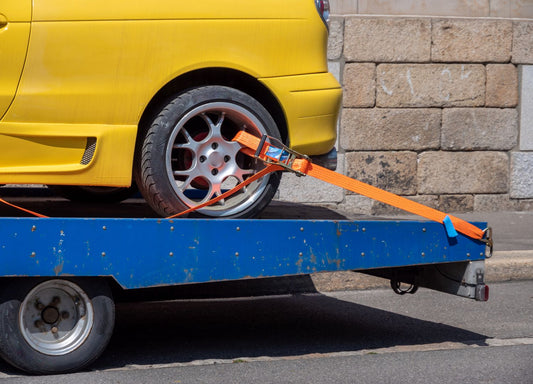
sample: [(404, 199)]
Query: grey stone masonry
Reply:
[(526, 108), (463, 172), (438, 109), (479, 129), (336, 40), (387, 40), (310, 190), (385, 209), (430, 85), (502, 86), (394, 171), (456, 203), (360, 85), (523, 42), (522, 175), (380, 129), (471, 41)]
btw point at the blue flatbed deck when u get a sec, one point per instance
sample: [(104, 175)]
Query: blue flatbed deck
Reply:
[(140, 253)]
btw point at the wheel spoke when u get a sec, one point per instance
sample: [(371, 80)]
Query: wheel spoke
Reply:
[(215, 129), (203, 161)]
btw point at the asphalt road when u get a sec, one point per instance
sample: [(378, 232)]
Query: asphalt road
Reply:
[(343, 337)]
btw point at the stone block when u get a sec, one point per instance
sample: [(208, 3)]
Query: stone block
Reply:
[(502, 86), (387, 39), (430, 85), (494, 203), (526, 108), (523, 42), (427, 7), (521, 175), (343, 7), (511, 9), (471, 41), (385, 209), (456, 203), (307, 189), (346, 281), (336, 38), (359, 85), (463, 172), (334, 67), (524, 205), (479, 129), (356, 204), (380, 129), (393, 171)]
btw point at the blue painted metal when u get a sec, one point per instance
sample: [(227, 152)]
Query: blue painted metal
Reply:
[(152, 252)]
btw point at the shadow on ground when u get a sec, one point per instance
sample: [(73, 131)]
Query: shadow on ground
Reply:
[(184, 331)]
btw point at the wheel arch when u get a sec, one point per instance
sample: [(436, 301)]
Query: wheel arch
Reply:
[(216, 76)]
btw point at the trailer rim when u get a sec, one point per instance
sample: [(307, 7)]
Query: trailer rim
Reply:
[(56, 317)]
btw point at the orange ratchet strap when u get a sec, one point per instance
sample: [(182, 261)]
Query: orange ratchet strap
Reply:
[(23, 209), (282, 156)]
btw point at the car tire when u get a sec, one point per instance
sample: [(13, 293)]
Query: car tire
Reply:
[(187, 155), (50, 326)]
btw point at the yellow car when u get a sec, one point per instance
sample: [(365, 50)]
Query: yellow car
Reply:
[(98, 93)]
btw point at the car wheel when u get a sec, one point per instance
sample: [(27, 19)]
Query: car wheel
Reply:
[(187, 155), (56, 325), (94, 194)]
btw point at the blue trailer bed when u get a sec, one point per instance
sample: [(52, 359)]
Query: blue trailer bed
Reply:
[(140, 253), (56, 274)]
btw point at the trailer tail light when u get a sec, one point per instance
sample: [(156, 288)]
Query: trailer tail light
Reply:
[(322, 6), (482, 292)]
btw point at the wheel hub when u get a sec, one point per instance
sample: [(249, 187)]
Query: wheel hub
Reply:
[(216, 159), (56, 317), (50, 315)]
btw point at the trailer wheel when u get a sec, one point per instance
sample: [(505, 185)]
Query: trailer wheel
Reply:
[(55, 326), (187, 155)]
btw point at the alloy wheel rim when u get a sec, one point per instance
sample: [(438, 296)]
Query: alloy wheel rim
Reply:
[(202, 161)]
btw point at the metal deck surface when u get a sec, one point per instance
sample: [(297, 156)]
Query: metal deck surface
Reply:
[(153, 252)]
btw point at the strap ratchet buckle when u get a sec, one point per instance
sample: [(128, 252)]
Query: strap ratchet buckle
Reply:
[(278, 153)]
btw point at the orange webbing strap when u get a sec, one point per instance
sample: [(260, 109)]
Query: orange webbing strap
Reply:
[(306, 167), (269, 169), (22, 209)]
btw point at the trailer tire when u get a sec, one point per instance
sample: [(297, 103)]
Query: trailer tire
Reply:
[(50, 326), (186, 156)]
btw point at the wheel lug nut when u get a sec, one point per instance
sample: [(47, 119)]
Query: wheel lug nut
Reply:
[(203, 159), (227, 158), (214, 145), (56, 300), (54, 329), (65, 315), (38, 323), (214, 172)]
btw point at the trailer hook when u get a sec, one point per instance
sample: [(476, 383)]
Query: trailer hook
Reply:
[(487, 239), (397, 287)]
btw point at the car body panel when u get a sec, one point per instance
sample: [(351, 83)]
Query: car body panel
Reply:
[(311, 103), (15, 17), (93, 67)]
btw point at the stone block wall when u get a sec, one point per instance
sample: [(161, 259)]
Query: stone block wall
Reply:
[(439, 110)]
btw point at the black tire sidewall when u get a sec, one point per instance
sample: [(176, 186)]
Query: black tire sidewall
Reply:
[(150, 167), (16, 351)]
